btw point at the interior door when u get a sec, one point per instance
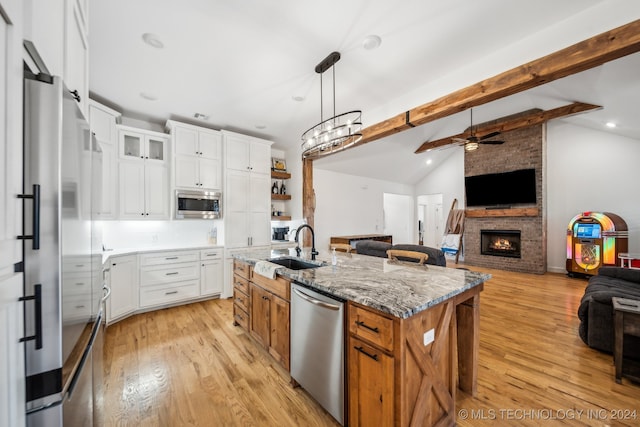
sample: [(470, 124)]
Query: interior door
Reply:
[(399, 218)]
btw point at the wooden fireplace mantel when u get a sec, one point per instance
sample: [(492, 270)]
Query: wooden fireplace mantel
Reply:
[(498, 213)]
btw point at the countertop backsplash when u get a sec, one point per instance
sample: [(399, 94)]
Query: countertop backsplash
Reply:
[(149, 234)]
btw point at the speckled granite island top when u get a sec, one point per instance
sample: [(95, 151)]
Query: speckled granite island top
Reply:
[(400, 290)]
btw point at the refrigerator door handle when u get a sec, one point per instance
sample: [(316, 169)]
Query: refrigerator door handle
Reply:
[(107, 293), (37, 299), (35, 244)]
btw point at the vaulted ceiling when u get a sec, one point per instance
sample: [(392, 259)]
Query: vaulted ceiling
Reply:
[(242, 63)]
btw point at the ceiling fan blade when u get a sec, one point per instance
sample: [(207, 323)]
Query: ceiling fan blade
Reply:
[(490, 135), (491, 142), (460, 140)]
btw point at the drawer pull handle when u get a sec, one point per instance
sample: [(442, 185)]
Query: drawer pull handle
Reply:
[(173, 273), (364, 325), (171, 257), (361, 350), (79, 284), (79, 306), (214, 254), (171, 293)]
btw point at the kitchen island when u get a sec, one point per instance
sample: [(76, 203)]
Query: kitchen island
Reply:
[(413, 334)]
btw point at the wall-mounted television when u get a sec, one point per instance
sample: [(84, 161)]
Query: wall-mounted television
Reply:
[(501, 189)]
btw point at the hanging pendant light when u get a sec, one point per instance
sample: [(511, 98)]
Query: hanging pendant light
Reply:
[(337, 132)]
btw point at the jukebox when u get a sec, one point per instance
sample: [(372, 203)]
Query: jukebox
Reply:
[(594, 239)]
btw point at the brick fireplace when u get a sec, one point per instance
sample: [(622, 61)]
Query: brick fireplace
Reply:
[(522, 149)]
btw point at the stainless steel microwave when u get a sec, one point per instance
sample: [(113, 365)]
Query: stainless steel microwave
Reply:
[(198, 204)]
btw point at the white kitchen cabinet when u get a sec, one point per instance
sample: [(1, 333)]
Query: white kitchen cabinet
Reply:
[(143, 174), (76, 52), (169, 277), (247, 212), (139, 144), (102, 121), (211, 272), (246, 153), (44, 22), (123, 281), (144, 191), (198, 156)]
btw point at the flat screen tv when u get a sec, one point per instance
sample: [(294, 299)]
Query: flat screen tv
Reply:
[(501, 189)]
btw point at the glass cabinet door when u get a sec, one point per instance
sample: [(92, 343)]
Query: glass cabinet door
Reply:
[(155, 149), (131, 145)]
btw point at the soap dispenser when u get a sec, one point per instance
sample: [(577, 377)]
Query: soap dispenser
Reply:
[(334, 257)]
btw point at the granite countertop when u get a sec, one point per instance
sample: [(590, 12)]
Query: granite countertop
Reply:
[(398, 289)]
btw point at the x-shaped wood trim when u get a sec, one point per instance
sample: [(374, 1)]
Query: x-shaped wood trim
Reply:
[(431, 379)]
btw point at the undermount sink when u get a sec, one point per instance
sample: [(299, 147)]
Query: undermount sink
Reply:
[(294, 264)]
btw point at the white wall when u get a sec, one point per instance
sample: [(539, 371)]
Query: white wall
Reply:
[(348, 204), (447, 179), (589, 170)]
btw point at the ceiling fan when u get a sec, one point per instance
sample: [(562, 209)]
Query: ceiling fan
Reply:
[(472, 142)]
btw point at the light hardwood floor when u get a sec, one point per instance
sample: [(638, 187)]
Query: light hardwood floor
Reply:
[(189, 366)]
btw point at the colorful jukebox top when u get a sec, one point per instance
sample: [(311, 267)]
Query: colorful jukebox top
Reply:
[(595, 239)]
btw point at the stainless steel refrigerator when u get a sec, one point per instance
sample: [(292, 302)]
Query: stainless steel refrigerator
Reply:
[(62, 262)]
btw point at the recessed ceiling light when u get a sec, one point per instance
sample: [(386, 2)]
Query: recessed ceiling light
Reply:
[(261, 126), (428, 161), (201, 116), (610, 124), (148, 96), (152, 40), (298, 98), (371, 42)]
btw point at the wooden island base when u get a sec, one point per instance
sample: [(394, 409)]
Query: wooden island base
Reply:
[(405, 372)]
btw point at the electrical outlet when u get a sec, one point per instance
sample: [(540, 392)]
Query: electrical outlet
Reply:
[(154, 238), (429, 336)]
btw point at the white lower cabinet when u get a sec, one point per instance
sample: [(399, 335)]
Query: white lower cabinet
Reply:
[(159, 279), (123, 280), (211, 272), (165, 279), (159, 295)]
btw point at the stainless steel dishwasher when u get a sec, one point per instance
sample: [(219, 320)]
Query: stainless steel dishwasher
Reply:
[(317, 347)]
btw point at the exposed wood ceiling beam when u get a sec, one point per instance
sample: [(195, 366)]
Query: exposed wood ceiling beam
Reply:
[(579, 57), (508, 124)]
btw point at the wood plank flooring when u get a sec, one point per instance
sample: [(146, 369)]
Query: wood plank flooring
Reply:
[(189, 366)]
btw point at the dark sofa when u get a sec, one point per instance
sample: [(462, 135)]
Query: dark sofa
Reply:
[(596, 310), (379, 249)]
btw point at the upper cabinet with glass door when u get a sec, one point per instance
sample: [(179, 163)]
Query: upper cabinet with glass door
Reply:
[(142, 145)]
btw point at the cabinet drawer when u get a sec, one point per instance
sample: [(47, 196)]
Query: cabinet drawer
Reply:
[(166, 294), (241, 283), (163, 258), (206, 254), (76, 307), (241, 269), (371, 326), (169, 273), (240, 317), (76, 284), (278, 286), (241, 299)]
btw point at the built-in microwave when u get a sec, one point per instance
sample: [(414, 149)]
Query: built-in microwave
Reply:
[(198, 204)]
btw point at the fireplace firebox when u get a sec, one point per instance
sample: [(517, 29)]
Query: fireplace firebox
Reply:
[(504, 243)]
